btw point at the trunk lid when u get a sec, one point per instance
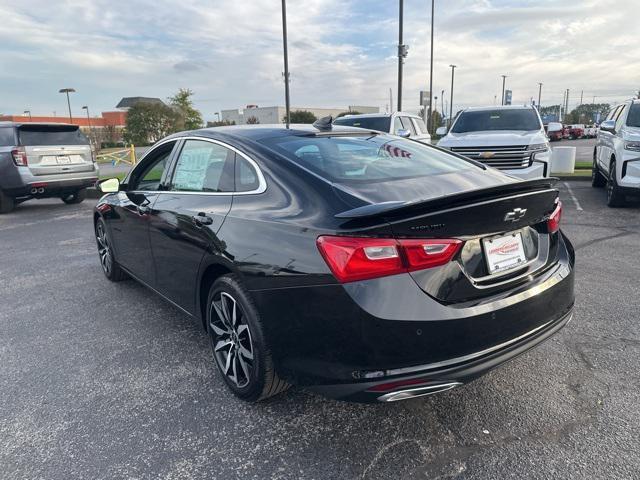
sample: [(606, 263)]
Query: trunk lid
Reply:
[(55, 149)]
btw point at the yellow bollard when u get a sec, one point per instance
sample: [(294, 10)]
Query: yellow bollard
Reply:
[(133, 154)]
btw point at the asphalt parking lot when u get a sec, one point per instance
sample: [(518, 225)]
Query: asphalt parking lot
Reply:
[(101, 380)]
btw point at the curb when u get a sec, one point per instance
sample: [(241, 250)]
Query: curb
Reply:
[(580, 178)]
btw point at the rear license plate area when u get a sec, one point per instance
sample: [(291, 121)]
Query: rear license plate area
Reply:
[(504, 252), (63, 159)]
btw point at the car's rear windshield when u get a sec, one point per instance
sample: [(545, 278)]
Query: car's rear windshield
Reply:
[(51, 135), (633, 119), (6, 137), (491, 120), (345, 159), (381, 124)]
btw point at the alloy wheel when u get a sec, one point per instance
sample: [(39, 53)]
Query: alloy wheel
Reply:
[(104, 249), (231, 338)]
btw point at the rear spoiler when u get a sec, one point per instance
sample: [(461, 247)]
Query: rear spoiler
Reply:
[(453, 200)]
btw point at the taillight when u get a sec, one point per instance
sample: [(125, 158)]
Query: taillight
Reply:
[(19, 156), (354, 258), (553, 224)]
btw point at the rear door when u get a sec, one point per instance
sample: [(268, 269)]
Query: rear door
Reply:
[(55, 149), (185, 219)]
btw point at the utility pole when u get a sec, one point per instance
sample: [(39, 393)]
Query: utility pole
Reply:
[(581, 96), (430, 120), (539, 94), (566, 108), (402, 52), (390, 100), (442, 101), (286, 63), (504, 79), (68, 91), (453, 69)]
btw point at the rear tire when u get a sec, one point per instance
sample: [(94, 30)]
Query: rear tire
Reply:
[(108, 262), (597, 179), (238, 343), (7, 203), (615, 198), (75, 197)]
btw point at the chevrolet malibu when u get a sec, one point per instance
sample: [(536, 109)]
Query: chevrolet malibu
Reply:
[(360, 265)]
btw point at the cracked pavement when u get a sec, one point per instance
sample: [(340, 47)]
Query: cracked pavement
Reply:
[(102, 380)]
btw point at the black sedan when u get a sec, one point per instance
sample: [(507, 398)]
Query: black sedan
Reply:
[(360, 265)]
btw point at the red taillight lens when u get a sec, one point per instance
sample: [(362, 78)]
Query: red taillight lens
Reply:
[(19, 156), (352, 258), (553, 224)]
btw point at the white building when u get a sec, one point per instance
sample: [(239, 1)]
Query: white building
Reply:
[(265, 115)]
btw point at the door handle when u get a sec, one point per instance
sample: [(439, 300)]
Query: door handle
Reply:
[(202, 219)]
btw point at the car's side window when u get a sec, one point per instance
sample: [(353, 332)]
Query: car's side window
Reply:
[(7, 138), (621, 117), (408, 124), (246, 176), (397, 125), (203, 167), (148, 176), (614, 112)]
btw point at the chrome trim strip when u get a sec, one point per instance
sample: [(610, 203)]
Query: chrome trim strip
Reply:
[(262, 184), (417, 392), (445, 363)]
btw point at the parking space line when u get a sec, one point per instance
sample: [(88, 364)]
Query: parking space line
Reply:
[(573, 197)]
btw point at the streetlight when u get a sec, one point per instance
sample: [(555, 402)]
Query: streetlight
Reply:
[(442, 101), (430, 120), (402, 52), (539, 94), (504, 79), (89, 121), (453, 69), (68, 91), (28, 112), (286, 62)]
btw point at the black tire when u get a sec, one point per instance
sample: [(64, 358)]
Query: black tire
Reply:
[(75, 197), (239, 348), (7, 203), (615, 198), (597, 179), (108, 262)]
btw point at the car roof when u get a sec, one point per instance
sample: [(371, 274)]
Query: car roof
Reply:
[(499, 107), (263, 131), (37, 124)]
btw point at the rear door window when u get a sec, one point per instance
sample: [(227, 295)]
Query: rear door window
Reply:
[(38, 135), (246, 176), (7, 138), (204, 167)]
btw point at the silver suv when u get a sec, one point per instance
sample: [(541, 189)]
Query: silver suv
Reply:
[(616, 158), (40, 160)]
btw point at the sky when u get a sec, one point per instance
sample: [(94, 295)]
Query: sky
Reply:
[(342, 52)]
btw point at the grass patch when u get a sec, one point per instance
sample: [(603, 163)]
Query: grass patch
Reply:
[(120, 176), (583, 165)]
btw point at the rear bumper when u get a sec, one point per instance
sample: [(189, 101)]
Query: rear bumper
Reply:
[(51, 185), (342, 340)]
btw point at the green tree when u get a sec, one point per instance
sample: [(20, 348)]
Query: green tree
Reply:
[(354, 112), (149, 122), (549, 110), (586, 113), (183, 103), (301, 116)]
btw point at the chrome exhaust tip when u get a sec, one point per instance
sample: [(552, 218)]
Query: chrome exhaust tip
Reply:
[(41, 190), (418, 392), (34, 191)]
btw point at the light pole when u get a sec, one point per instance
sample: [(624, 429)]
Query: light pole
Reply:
[(84, 107), (504, 80), (28, 112), (402, 52), (430, 120), (286, 63), (68, 91), (453, 69), (442, 101), (539, 94)]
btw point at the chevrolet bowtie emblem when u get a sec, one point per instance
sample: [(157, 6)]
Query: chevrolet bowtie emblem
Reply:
[(515, 215), (487, 155)]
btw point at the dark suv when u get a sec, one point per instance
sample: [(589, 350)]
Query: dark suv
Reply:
[(40, 160)]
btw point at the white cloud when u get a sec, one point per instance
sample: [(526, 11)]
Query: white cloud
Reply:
[(341, 52)]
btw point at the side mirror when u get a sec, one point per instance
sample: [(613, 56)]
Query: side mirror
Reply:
[(112, 185), (401, 132), (441, 131), (608, 126)]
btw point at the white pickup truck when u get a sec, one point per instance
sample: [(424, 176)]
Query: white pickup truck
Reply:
[(510, 138)]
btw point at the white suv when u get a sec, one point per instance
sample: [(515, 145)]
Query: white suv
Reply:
[(616, 158), (510, 138), (403, 124)]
